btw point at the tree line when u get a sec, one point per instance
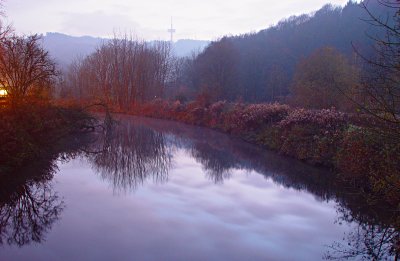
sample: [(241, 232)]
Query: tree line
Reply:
[(320, 60), (121, 72), (261, 67)]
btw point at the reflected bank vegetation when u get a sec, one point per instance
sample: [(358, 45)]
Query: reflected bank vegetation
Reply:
[(28, 213), (137, 150), (130, 154), (367, 241), (29, 206), (142, 149)]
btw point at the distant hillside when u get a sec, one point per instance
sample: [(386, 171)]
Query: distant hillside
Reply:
[(64, 48), (186, 47)]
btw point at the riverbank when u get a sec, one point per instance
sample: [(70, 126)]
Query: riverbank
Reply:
[(363, 153), (30, 130)]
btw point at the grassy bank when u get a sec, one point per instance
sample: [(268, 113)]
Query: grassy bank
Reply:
[(28, 130), (364, 155)]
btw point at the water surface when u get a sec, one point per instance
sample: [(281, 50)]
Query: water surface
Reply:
[(158, 190)]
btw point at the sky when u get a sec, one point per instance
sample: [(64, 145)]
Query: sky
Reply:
[(150, 19)]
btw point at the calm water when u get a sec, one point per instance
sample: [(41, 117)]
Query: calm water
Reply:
[(157, 190)]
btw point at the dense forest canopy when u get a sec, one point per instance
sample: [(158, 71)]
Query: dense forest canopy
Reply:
[(260, 67)]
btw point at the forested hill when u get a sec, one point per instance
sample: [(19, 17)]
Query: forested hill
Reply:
[(260, 66), (65, 48)]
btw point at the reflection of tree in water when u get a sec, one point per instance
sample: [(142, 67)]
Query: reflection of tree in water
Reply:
[(140, 149), (30, 216), (219, 154), (216, 163), (375, 236), (131, 155), (366, 242), (28, 206), (369, 240)]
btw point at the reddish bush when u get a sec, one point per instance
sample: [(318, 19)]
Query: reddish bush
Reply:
[(371, 158), (355, 153), (216, 113), (312, 135), (326, 119), (255, 116), (366, 151)]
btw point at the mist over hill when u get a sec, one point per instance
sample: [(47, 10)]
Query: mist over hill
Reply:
[(185, 47), (65, 48)]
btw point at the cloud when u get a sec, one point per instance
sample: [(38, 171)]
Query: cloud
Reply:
[(98, 24), (192, 19)]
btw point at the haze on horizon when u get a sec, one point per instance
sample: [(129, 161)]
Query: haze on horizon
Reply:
[(205, 20)]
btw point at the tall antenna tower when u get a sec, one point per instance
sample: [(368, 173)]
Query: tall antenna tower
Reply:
[(171, 31)]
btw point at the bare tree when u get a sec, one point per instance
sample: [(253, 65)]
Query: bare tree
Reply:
[(25, 67), (381, 87), (122, 72), (5, 30)]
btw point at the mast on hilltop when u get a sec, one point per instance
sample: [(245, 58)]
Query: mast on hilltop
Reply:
[(172, 31)]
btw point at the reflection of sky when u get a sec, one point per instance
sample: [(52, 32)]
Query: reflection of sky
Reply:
[(247, 217)]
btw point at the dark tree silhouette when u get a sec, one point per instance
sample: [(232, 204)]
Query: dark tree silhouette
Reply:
[(217, 70), (29, 214), (381, 86), (368, 240), (131, 155), (25, 67), (28, 204)]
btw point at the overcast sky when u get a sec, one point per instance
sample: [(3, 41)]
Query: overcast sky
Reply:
[(150, 19)]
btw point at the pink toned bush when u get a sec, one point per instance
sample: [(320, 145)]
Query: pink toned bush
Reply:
[(312, 135), (197, 116), (255, 116), (327, 119), (216, 111), (177, 107), (217, 108), (244, 118), (232, 117)]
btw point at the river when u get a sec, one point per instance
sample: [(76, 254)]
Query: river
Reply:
[(159, 190)]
